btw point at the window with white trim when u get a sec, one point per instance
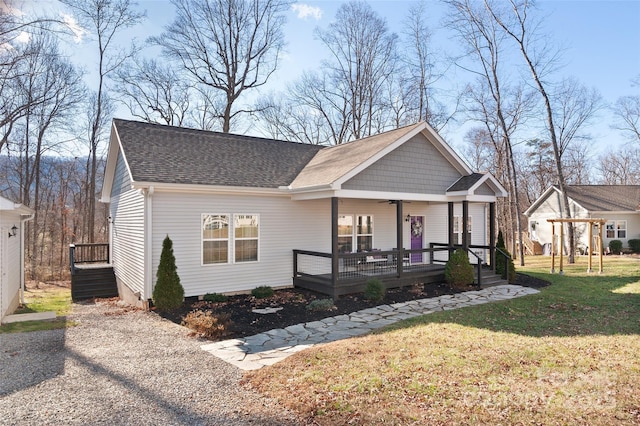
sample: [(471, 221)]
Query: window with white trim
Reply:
[(345, 234), (457, 229), (230, 238), (616, 229), (355, 231), (215, 238), (364, 233), (246, 232)]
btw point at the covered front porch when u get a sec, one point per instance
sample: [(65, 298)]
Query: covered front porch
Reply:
[(346, 268)]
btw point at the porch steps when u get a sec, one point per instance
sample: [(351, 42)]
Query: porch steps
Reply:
[(88, 283), (490, 279)]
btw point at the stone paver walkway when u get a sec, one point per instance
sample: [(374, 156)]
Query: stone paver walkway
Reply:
[(255, 352)]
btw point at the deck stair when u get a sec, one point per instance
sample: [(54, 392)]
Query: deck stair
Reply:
[(89, 282), (490, 278)]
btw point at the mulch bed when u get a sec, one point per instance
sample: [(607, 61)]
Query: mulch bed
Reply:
[(294, 302)]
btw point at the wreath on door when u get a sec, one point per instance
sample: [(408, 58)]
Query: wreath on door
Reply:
[(416, 229)]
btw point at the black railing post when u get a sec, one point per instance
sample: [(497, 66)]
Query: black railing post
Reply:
[(295, 263), (72, 249), (450, 224), (399, 239), (479, 272), (335, 263), (492, 235)]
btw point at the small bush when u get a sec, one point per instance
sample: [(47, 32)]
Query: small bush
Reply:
[(262, 292), (374, 290), (321, 305), (215, 297), (634, 245), (615, 246), (458, 271), (206, 324), (168, 293)]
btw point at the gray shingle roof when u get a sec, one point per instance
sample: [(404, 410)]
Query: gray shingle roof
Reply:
[(332, 163), (166, 154), (465, 182), (606, 197)]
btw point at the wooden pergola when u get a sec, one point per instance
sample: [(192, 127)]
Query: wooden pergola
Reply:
[(599, 222)]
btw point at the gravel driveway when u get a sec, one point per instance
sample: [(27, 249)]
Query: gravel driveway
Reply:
[(117, 368)]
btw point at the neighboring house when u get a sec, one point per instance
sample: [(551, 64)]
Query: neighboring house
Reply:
[(618, 204), (12, 219), (244, 211)]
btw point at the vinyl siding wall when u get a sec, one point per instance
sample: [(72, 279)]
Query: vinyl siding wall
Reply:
[(416, 166), (127, 231), (9, 264), (284, 225)]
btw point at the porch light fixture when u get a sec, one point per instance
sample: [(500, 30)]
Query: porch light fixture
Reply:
[(408, 218), (13, 231)]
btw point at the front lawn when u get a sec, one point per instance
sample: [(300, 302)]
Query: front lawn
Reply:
[(43, 298), (568, 355)]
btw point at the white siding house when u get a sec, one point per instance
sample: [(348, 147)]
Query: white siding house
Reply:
[(618, 204), (12, 219), (237, 207)]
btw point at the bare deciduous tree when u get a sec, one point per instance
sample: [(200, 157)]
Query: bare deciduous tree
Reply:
[(540, 60), (104, 19), (422, 71), (499, 107), (627, 111), (620, 167), (228, 46), (363, 57), (153, 92)]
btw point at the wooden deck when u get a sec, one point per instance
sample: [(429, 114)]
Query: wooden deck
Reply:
[(356, 281)]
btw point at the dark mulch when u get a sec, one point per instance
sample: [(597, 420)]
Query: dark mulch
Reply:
[(294, 302)]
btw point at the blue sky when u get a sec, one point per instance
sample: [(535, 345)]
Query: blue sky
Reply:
[(601, 40)]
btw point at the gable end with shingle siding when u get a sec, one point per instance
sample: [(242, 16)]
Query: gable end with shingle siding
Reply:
[(406, 168)]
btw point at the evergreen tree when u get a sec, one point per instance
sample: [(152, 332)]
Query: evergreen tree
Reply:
[(500, 260), (168, 293), (458, 272)]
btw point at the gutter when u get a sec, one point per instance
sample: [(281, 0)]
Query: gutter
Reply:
[(23, 220)]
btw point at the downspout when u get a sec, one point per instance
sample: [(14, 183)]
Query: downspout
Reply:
[(148, 245), (22, 222)]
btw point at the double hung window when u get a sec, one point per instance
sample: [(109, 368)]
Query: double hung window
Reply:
[(457, 229), (616, 229), (230, 238), (355, 231)]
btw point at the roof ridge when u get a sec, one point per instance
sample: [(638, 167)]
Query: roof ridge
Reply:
[(209, 132)]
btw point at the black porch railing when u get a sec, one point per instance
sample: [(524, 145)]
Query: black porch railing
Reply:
[(84, 253), (313, 270)]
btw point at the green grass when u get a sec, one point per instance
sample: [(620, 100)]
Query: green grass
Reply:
[(49, 298), (568, 355)]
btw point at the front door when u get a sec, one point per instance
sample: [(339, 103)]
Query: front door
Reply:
[(416, 238)]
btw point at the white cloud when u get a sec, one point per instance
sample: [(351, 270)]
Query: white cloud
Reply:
[(73, 25), (304, 11), (23, 37)]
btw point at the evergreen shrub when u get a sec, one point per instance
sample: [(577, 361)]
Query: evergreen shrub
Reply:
[(168, 293), (615, 246), (321, 305), (262, 292), (501, 268), (458, 271), (215, 297), (634, 245), (375, 290)]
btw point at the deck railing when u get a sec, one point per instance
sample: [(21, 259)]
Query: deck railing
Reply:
[(88, 253), (352, 266)]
